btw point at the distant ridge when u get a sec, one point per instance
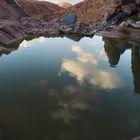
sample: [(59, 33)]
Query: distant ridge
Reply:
[(65, 4)]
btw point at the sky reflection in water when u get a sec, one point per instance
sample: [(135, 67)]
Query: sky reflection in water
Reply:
[(60, 89)]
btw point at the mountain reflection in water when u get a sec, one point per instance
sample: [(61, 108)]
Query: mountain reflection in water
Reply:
[(59, 89), (115, 48)]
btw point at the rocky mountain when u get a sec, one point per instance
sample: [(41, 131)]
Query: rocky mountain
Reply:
[(97, 10), (41, 9), (65, 4)]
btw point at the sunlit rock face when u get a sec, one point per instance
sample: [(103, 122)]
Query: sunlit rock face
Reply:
[(94, 10), (65, 4), (86, 68)]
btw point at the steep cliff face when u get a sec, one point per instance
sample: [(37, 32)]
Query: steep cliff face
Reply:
[(94, 10), (9, 9), (41, 9)]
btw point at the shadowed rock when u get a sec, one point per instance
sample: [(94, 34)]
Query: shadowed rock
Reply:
[(70, 19)]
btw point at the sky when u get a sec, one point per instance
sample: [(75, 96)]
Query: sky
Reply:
[(58, 1)]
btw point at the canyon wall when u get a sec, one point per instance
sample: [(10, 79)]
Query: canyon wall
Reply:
[(94, 10)]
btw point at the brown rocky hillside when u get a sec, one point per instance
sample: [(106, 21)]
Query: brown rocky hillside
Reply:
[(94, 10), (41, 9)]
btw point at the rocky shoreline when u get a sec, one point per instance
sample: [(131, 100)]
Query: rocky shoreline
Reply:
[(21, 26)]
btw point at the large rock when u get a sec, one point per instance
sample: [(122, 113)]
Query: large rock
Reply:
[(70, 19)]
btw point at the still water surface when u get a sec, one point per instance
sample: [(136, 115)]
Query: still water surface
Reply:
[(61, 89)]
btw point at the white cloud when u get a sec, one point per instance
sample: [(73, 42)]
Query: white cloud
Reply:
[(86, 67), (26, 44)]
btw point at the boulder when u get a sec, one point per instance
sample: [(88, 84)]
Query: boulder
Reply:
[(70, 19)]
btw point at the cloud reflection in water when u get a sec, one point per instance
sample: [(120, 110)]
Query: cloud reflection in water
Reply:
[(86, 68), (26, 43)]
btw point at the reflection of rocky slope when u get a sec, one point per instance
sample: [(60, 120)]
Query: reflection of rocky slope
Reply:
[(136, 67), (26, 43), (8, 50), (114, 49)]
